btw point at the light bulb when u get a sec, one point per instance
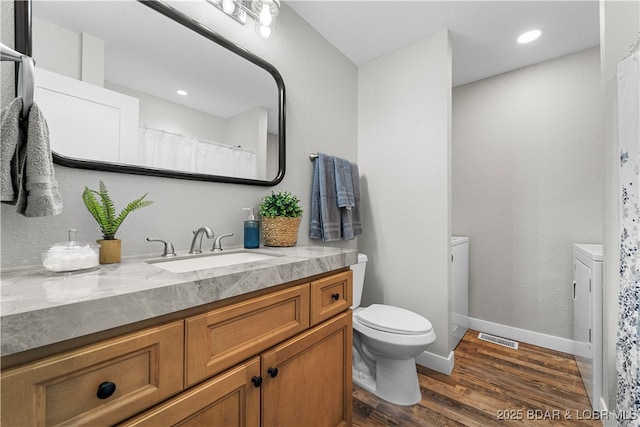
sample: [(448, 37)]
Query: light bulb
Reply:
[(265, 16), (228, 6), (264, 31)]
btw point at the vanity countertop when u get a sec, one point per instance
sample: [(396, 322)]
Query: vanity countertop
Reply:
[(38, 308)]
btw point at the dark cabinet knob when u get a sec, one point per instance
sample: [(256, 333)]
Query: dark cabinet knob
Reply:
[(273, 372), (257, 381), (335, 296), (105, 390)]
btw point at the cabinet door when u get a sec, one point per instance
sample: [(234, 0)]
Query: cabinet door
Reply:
[(312, 385), (230, 400), (222, 338), (69, 389), (582, 304)]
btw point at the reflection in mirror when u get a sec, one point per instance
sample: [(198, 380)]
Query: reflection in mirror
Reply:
[(126, 88)]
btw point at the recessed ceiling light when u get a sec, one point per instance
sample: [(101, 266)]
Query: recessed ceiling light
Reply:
[(529, 36), (181, 92)]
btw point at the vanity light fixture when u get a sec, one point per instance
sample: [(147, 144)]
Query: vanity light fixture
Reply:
[(529, 36), (182, 92), (264, 12)]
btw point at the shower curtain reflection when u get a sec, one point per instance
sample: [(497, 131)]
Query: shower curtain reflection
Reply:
[(627, 351), (166, 150)]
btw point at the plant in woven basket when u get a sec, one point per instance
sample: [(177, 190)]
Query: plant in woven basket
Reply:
[(103, 209), (281, 214), (280, 204)]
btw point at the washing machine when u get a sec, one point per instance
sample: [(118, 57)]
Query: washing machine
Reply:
[(460, 289)]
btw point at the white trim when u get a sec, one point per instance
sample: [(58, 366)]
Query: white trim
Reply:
[(444, 365), (523, 335), (606, 421)]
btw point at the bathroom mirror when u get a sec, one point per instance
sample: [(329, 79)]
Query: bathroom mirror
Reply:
[(109, 77)]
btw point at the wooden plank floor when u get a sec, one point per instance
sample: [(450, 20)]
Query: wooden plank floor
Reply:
[(490, 385)]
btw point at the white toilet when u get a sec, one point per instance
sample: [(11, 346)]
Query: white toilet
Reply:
[(386, 340)]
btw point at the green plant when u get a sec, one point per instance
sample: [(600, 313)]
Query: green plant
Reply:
[(280, 204), (104, 211)]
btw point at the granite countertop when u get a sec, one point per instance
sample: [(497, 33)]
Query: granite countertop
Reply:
[(39, 308)]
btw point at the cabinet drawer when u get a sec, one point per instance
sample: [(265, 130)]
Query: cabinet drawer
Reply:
[(330, 296), (221, 338), (229, 399), (145, 367)]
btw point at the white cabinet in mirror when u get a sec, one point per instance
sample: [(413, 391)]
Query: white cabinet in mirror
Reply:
[(121, 91)]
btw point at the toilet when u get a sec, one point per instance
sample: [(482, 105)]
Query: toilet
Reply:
[(386, 340)]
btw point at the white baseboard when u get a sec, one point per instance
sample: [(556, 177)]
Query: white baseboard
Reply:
[(444, 365), (536, 338)]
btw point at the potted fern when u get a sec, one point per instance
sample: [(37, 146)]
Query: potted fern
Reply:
[(101, 206), (281, 215)]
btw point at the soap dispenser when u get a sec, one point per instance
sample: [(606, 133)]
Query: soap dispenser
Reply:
[(251, 231)]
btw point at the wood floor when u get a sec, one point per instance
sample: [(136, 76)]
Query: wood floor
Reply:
[(490, 385)]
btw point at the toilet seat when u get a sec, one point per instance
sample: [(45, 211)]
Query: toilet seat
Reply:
[(395, 320)]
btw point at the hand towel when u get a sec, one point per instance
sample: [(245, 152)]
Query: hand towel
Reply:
[(325, 214), (344, 183), (10, 138), (351, 221), (38, 194), (356, 211)]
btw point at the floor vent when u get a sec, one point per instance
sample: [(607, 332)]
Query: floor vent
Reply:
[(498, 340)]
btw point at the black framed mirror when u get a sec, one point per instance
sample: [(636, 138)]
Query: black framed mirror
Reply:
[(107, 79)]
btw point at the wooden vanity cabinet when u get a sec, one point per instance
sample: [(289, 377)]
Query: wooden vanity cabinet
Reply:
[(259, 361)]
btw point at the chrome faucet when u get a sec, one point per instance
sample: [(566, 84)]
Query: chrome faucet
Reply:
[(217, 245), (196, 243), (169, 251)]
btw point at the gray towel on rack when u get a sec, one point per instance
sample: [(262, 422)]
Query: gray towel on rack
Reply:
[(39, 194), (325, 214), (351, 222), (27, 173), (11, 139), (356, 211), (344, 183)]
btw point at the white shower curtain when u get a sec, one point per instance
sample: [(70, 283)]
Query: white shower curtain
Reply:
[(627, 351), (166, 150)]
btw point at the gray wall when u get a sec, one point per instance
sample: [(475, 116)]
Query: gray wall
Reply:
[(528, 182), (321, 116), (404, 143)]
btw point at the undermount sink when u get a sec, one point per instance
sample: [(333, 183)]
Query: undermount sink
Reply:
[(203, 262)]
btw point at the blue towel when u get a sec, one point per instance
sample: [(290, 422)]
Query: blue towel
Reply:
[(356, 211), (344, 183), (325, 214), (351, 221)]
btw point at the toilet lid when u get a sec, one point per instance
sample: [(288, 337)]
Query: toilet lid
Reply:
[(392, 319)]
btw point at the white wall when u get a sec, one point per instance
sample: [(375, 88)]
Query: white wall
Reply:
[(404, 113), (159, 113), (528, 182), (321, 116), (619, 29)]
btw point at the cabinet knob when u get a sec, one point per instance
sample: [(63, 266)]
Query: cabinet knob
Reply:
[(273, 372), (257, 381), (335, 296), (105, 390)]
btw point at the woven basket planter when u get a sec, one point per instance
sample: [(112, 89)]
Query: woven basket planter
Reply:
[(280, 231)]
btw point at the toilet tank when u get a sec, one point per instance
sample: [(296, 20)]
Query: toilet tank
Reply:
[(358, 279)]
